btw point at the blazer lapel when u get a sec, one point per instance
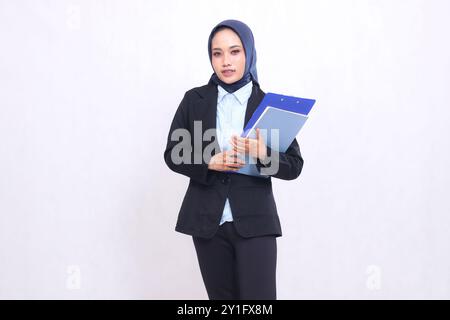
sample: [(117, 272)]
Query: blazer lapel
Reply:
[(253, 103), (209, 102), (209, 115)]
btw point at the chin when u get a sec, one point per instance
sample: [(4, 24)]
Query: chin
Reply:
[(230, 80)]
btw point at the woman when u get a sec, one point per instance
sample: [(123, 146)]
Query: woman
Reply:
[(231, 217)]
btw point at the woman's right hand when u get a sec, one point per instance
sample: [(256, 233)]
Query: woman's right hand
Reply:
[(226, 161)]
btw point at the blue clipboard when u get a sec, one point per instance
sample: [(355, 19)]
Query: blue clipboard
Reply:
[(279, 101), (287, 114)]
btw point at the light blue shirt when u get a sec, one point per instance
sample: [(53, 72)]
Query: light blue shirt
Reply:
[(230, 120)]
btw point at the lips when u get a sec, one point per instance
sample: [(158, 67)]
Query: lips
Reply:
[(228, 72)]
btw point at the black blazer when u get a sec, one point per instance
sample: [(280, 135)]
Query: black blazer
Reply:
[(251, 198)]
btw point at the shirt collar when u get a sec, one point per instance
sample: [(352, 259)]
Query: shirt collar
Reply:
[(242, 95)]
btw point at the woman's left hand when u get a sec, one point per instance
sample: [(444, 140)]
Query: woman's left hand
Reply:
[(254, 147)]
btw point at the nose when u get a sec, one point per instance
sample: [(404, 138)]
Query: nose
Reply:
[(226, 60)]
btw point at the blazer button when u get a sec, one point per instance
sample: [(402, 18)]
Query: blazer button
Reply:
[(225, 180)]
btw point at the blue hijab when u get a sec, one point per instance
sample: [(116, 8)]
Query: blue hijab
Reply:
[(246, 36)]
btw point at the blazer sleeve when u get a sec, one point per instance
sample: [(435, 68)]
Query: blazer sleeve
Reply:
[(197, 172), (290, 163)]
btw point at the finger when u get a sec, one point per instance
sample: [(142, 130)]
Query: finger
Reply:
[(234, 165), (234, 138), (253, 148), (240, 143), (232, 154), (259, 135), (234, 142), (245, 144), (238, 161), (237, 151), (235, 160), (240, 151), (238, 146), (260, 138)]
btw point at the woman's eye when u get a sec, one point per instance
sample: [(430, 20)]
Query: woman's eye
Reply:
[(216, 54)]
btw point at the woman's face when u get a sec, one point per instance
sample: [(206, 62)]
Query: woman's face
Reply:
[(228, 56)]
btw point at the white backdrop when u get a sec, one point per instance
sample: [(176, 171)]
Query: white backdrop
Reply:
[(87, 93)]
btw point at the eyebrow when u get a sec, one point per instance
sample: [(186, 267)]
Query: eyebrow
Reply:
[(235, 46)]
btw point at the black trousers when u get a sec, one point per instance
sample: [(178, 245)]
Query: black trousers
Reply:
[(234, 267)]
